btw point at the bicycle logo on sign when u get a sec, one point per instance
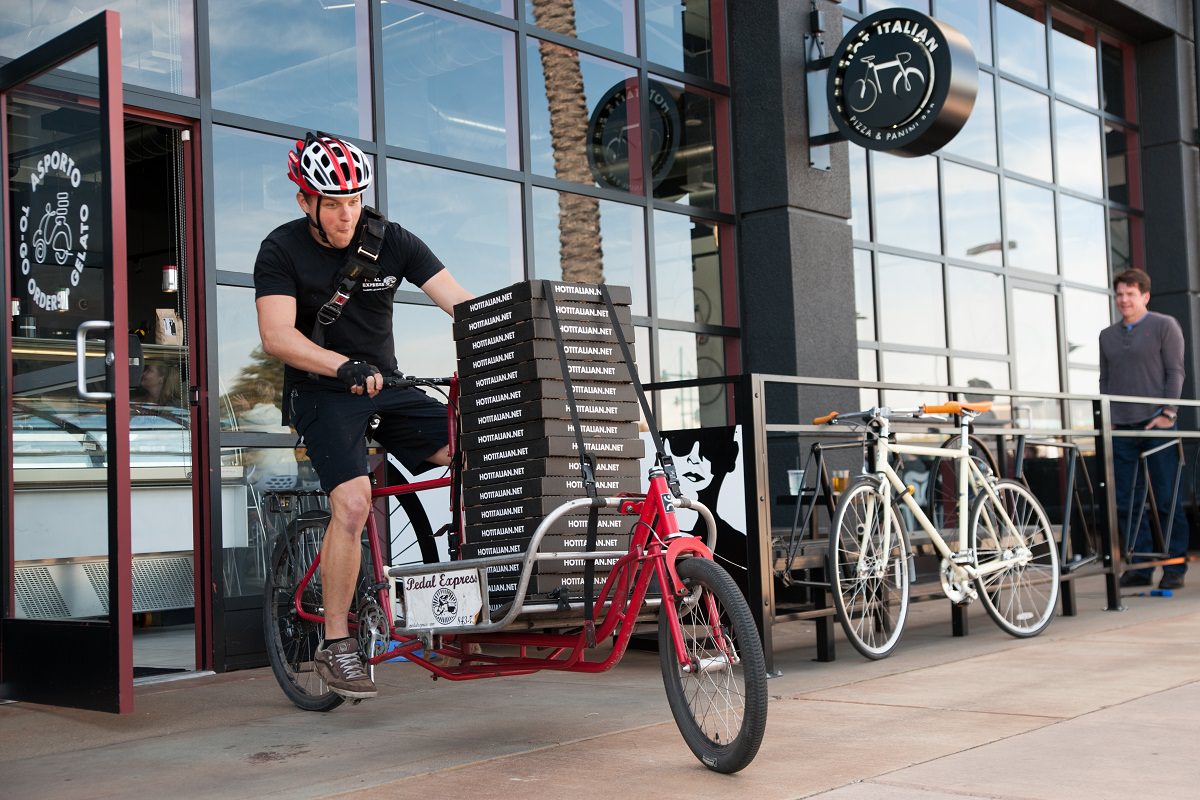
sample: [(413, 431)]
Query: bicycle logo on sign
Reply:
[(866, 90)]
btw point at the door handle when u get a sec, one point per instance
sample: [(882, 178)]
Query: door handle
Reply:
[(81, 358)]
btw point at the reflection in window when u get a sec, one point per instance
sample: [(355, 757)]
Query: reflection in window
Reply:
[(158, 43), (1074, 54), (449, 85), (1026, 131), (972, 213), (472, 223), (1035, 336), (684, 356), (603, 22), (911, 308), (578, 238), (977, 139), (981, 374), (973, 19), (504, 7), (679, 35), (1080, 163), (976, 303), (249, 379), (559, 115), (860, 214), (1120, 241), (1084, 257), (1113, 75), (253, 195), (248, 526), (871, 6), (683, 128), (911, 368), (1032, 243), (1120, 146), (283, 76), (906, 202), (687, 269), (864, 296), (1021, 40), (867, 371), (424, 341), (1086, 315)]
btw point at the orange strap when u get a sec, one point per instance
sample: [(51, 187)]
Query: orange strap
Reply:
[(827, 418), (955, 407)]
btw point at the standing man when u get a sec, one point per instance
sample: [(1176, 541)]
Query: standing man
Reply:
[(334, 370), (1142, 355)]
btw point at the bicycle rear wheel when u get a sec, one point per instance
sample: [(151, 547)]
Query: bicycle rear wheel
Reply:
[(1021, 597), (869, 571), (942, 503), (291, 640), (719, 699)]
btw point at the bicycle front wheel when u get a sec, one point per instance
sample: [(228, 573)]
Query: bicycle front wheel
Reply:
[(291, 640), (718, 694), (1021, 595), (868, 566)]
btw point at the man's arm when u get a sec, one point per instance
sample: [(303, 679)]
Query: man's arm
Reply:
[(444, 290), (277, 329)]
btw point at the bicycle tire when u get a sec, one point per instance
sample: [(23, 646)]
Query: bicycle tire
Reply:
[(1022, 598), (292, 641), (871, 600), (941, 505), (719, 706)]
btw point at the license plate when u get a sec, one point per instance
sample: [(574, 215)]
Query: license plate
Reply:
[(442, 599)]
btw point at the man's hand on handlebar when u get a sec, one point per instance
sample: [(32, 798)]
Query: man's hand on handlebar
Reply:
[(361, 377)]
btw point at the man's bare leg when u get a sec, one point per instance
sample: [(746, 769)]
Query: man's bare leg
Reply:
[(341, 552)]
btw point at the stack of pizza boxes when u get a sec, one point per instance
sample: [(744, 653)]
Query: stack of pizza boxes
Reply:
[(519, 443)]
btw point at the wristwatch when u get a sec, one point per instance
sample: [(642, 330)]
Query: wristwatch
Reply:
[(1168, 413)]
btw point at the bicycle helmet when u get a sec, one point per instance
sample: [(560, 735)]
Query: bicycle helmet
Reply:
[(328, 166)]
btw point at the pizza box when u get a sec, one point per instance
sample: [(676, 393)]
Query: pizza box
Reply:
[(571, 526), (550, 486), (541, 349), (550, 544), (556, 447), (535, 508), (545, 428), (575, 332), (543, 369), (548, 389), (539, 467), (551, 566), (506, 585), (535, 289), (548, 409), (538, 309)]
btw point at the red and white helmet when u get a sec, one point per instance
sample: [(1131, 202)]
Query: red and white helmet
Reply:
[(324, 165)]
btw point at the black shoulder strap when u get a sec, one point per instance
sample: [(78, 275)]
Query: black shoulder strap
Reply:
[(362, 264)]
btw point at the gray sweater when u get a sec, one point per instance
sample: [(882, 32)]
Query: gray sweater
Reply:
[(1145, 361)]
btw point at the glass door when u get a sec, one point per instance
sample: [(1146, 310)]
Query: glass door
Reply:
[(66, 626)]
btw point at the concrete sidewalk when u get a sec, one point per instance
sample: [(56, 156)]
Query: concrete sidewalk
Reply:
[(1104, 704)]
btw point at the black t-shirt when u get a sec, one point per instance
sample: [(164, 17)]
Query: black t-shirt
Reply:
[(290, 262)]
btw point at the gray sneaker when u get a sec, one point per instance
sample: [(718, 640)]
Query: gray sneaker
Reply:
[(341, 667)]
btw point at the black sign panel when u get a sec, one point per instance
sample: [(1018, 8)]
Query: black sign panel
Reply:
[(903, 82)]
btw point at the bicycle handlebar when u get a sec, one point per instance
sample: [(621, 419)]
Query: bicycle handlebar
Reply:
[(402, 381), (949, 407)]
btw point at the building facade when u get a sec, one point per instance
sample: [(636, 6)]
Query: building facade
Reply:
[(649, 143)]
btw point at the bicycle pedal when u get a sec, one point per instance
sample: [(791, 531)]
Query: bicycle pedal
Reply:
[(963, 558)]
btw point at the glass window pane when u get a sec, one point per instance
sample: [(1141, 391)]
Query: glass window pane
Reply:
[(972, 17), (906, 203), (248, 379), (1083, 381), (911, 368), (981, 374), (683, 159), (252, 194), (472, 223), (860, 215), (867, 371), (158, 40), (864, 296), (911, 307), (976, 302), (504, 7), (264, 63), (1021, 41), (1120, 145), (604, 22), (577, 238), (1074, 53), (1032, 243), (559, 115), (1113, 71), (871, 6), (679, 35), (246, 526), (1084, 255), (1026, 131), (450, 85), (972, 213), (1035, 333), (424, 340), (1077, 147), (977, 139), (1120, 241), (683, 355), (687, 269), (1087, 314)]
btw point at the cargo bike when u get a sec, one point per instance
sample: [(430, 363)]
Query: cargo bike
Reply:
[(442, 618)]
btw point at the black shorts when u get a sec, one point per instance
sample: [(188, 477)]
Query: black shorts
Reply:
[(333, 423)]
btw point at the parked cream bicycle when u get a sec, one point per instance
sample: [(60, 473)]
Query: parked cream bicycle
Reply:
[(1003, 553)]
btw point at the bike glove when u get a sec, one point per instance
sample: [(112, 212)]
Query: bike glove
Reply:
[(355, 373)]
